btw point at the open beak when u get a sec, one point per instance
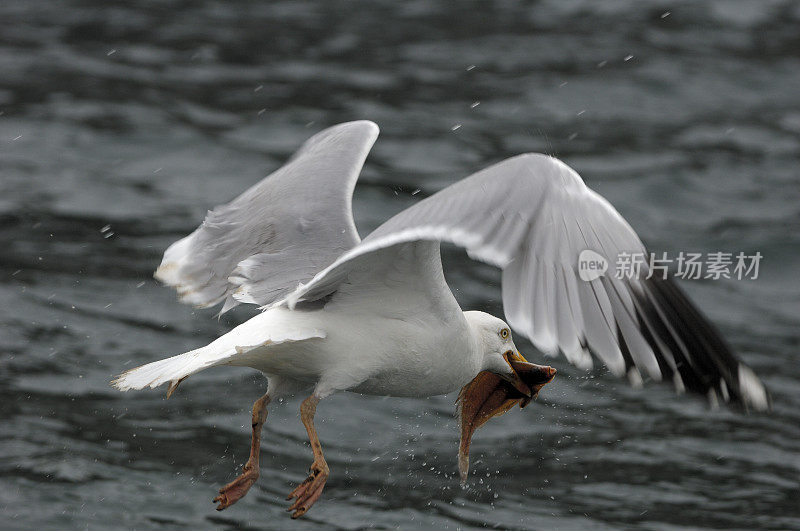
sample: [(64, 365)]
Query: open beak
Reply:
[(532, 376), (514, 378), (490, 395)]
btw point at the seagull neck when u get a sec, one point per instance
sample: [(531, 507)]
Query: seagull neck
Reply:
[(476, 347)]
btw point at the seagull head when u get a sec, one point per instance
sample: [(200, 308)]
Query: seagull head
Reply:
[(504, 380), (496, 349)]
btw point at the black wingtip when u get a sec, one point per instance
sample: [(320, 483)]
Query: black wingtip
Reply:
[(690, 351)]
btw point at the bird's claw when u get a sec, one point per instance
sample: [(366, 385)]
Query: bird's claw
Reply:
[(309, 491), (236, 489)]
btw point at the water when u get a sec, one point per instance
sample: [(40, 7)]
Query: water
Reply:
[(122, 124)]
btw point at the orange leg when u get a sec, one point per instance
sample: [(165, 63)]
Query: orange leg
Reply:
[(310, 489), (236, 489)]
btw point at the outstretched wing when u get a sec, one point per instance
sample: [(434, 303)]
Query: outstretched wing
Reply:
[(532, 216), (280, 232)]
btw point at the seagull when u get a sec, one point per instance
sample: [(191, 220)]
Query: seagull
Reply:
[(376, 316)]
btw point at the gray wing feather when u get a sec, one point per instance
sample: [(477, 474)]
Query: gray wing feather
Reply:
[(280, 232), (532, 216)]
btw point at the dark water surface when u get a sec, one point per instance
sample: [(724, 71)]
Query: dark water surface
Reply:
[(120, 125)]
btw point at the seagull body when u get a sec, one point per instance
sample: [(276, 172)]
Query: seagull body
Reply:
[(334, 350), (376, 316)]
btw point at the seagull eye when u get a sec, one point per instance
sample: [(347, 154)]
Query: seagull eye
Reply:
[(504, 333)]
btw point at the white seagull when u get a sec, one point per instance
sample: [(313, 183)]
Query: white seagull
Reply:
[(375, 316)]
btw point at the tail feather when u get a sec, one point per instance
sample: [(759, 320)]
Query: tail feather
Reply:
[(171, 370), (268, 328)]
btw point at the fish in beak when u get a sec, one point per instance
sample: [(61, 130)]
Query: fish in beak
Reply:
[(514, 378), (490, 395)]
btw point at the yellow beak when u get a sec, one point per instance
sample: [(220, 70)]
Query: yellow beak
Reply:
[(515, 379)]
